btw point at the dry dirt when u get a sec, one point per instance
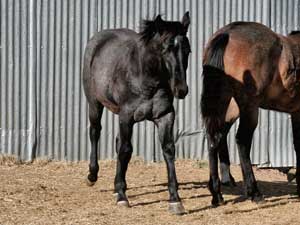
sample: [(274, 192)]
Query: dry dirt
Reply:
[(55, 193)]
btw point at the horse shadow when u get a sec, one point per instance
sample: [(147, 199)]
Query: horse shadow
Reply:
[(277, 189), (267, 188)]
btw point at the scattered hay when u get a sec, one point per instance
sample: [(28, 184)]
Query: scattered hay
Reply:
[(9, 160), (51, 192)]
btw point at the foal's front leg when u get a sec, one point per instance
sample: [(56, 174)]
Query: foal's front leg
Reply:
[(165, 132), (124, 151)]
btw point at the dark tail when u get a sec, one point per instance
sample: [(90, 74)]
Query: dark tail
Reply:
[(217, 91)]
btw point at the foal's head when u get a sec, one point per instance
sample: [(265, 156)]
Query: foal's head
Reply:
[(174, 48)]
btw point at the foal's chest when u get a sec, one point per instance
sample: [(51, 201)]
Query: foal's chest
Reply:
[(150, 109)]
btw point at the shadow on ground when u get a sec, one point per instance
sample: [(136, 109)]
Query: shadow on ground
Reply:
[(268, 189)]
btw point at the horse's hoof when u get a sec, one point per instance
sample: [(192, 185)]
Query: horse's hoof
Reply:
[(89, 183), (218, 201), (123, 203), (91, 179), (217, 204), (176, 208), (258, 199)]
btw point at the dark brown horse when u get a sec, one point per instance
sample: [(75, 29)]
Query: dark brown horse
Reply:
[(137, 75), (246, 66)]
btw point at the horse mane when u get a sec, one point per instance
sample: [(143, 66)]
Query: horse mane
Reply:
[(148, 30), (151, 27), (294, 32)]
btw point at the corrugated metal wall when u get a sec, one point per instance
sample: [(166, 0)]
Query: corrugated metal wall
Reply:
[(43, 112)]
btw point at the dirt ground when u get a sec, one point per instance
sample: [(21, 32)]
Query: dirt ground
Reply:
[(55, 193)]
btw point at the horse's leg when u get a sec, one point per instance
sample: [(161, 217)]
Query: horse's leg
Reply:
[(165, 132), (124, 151), (95, 114), (296, 137), (226, 177), (248, 123), (214, 184)]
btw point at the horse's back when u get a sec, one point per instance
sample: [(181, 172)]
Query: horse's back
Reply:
[(108, 39)]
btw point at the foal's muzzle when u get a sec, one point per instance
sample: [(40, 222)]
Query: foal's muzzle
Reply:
[(181, 91)]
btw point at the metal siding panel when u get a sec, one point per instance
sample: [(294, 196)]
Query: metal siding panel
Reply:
[(41, 71), (15, 130)]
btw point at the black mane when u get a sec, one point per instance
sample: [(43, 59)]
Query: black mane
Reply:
[(148, 30), (151, 27)]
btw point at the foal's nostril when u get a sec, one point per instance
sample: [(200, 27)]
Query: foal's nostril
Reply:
[(182, 92)]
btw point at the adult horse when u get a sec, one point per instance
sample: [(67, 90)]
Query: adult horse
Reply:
[(137, 75), (246, 66)]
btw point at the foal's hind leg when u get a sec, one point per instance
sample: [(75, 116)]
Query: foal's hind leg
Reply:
[(248, 123), (95, 114), (124, 151), (226, 177), (296, 137), (165, 132)]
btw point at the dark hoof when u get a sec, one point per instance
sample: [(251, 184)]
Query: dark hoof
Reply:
[(123, 203), (176, 208), (218, 201), (121, 200), (91, 180), (258, 198)]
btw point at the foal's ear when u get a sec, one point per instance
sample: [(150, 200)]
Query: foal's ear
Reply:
[(186, 21), (159, 23)]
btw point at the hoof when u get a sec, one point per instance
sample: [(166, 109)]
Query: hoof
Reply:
[(258, 198), (123, 204), (89, 183), (217, 201), (91, 180), (176, 208)]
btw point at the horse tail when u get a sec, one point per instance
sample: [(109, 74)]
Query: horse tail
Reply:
[(217, 91)]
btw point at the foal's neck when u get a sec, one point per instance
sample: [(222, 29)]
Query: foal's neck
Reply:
[(151, 59)]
